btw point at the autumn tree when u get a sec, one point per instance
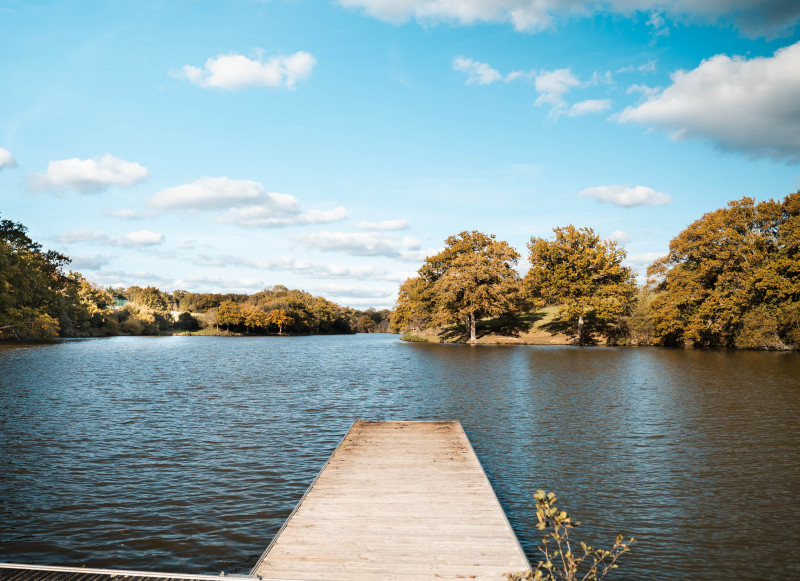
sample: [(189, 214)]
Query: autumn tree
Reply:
[(414, 305), (473, 277), (732, 278), (280, 318), (229, 313), (33, 286), (584, 276)]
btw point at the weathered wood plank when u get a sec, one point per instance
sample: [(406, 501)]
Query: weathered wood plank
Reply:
[(397, 500)]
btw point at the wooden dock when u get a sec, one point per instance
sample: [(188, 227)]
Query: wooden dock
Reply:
[(397, 500)]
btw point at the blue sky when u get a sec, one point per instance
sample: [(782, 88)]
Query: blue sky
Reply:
[(329, 146)]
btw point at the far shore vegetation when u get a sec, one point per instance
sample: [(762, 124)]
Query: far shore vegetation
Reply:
[(731, 279), (39, 301)]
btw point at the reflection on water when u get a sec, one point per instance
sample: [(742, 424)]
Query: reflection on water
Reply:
[(187, 453)]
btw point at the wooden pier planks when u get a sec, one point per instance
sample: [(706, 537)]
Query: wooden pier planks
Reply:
[(397, 500)]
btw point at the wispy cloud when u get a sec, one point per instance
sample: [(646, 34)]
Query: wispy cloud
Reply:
[(589, 106), (620, 236), (139, 238), (397, 224), (478, 73), (83, 236), (306, 267)]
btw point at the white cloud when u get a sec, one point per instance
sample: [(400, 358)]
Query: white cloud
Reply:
[(308, 268), (88, 175), (264, 216), (644, 90), (81, 263), (738, 104), (477, 73), (411, 242), (351, 291), (626, 196), (220, 194), (248, 203), (398, 224), (204, 282), (83, 236), (755, 17), (353, 243), (234, 71), (639, 262), (125, 214), (552, 86), (620, 236), (649, 67), (6, 159), (138, 238), (589, 106)]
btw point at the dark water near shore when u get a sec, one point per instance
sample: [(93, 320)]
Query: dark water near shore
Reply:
[(187, 453)]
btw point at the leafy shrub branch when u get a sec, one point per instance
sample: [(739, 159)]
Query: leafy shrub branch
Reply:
[(559, 562)]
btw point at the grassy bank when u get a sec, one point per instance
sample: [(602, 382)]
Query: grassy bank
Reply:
[(526, 329)]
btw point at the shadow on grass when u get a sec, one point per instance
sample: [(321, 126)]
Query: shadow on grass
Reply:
[(560, 327), (508, 325)]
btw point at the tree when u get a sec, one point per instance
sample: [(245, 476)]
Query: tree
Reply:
[(253, 317), (151, 297), (472, 277), (732, 278), (229, 313), (34, 290), (584, 276), (280, 318)]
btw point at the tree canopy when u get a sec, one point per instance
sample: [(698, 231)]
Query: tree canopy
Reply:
[(584, 276), (732, 278), (474, 276), (33, 286)]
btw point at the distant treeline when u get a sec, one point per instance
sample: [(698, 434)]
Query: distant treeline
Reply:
[(40, 300), (730, 279)]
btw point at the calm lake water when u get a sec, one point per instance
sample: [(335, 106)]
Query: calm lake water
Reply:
[(187, 453)]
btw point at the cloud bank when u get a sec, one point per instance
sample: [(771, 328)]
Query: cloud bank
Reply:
[(753, 17)]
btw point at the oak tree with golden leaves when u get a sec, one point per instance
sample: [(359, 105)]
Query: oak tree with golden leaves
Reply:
[(585, 277), (732, 278), (473, 277)]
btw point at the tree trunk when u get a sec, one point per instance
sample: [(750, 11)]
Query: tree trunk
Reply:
[(580, 329), (472, 338)]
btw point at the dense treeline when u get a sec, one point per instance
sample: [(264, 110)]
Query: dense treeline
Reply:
[(40, 300), (731, 279)]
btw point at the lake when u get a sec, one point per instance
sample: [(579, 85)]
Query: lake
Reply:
[(188, 453)]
